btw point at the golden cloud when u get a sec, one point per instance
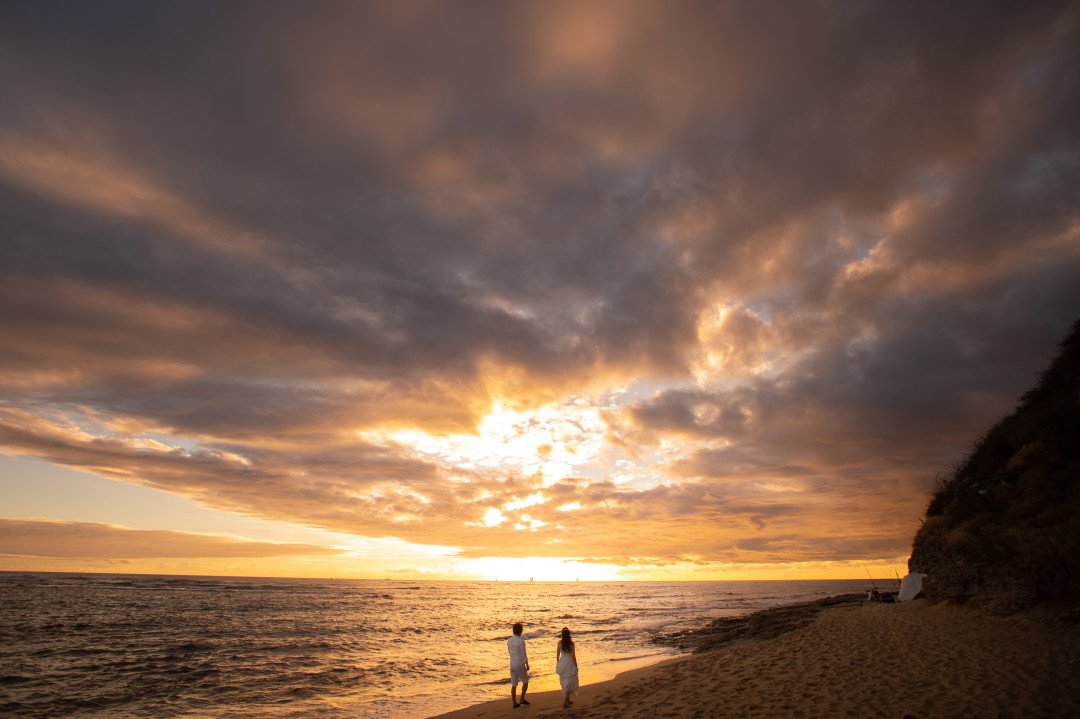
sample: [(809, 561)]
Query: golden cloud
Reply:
[(92, 540)]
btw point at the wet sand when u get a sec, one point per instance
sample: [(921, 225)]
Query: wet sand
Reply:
[(896, 661)]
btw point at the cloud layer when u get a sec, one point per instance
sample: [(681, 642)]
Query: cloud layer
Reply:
[(92, 540), (788, 259)]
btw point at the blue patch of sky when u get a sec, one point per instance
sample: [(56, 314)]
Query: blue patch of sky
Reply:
[(96, 426), (932, 184), (1040, 170), (35, 488), (1036, 73)]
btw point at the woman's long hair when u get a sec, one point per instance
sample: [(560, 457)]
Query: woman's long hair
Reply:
[(566, 642)]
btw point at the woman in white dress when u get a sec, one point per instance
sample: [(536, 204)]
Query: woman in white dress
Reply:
[(566, 667)]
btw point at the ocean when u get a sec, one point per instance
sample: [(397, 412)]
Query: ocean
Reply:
[(115, 645)]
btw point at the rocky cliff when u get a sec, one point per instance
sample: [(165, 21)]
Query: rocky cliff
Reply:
[(1003, 529)]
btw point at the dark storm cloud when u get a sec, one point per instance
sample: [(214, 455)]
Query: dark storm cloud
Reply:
[(839, 240)]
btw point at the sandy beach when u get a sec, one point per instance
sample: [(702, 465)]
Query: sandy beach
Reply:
[(896, 661)]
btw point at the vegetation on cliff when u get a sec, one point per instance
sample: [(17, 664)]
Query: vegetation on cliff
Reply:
[(1004, 526)]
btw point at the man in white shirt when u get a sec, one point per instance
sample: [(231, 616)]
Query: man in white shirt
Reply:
[(519, 665)]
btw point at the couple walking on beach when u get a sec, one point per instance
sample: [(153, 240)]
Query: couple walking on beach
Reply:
[(565, 666)]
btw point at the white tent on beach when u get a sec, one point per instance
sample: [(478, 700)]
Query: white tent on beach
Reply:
[(910, 586)]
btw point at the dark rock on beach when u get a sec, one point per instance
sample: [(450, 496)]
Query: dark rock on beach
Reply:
[(761, 625)]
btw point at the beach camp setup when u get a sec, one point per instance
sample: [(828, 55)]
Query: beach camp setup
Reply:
[(910, 586)]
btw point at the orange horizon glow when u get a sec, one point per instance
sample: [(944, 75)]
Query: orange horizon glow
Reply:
[(609, 292), (882, 574)]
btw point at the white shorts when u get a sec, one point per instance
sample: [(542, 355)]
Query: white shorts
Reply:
[(518, 674)]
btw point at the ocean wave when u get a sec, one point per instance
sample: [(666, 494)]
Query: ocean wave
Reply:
[(268, 649), (193, 647), (494, 683), (636, 657)]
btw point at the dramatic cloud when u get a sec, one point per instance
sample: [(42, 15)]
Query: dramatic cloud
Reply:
[(630, 282)]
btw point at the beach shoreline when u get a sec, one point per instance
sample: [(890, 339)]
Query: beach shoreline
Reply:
[(552, 698), (902, 661)]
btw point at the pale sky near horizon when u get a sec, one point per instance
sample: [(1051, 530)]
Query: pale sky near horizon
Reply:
[(596, 290)]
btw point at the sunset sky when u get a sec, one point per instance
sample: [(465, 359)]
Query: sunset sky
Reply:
[(671, 290)]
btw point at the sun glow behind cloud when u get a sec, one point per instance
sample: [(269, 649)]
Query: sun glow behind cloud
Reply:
[(541, 569), (557, 441), (576, 282)]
